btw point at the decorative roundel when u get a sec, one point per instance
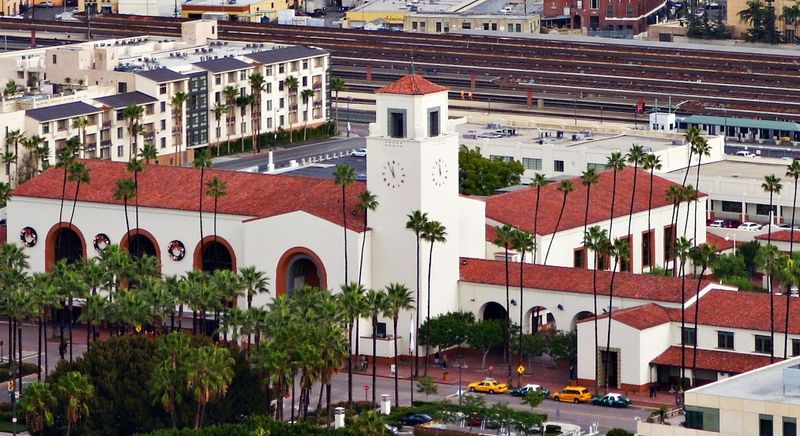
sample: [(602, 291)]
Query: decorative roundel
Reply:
[(28, 237), (101, 242), (176, 250)]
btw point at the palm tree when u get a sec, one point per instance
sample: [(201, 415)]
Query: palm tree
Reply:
[(617, 163), (674, 195), (133, 114), (177, 101), (398, 300), (230, 92), (565, 187), (505, 238), (202, 161), (125, 191), (772, 184), (148, 152), (703, 255), (45, 294), (256, 88), (8, 159), (620, 249), (433, 232), (351, 300), (588, 178), (375, 304), (78, 173), (682, 250), (367, 201), (75, 391), (65, 157), (337, 85), (692, 136), (636, 156), (523, 242), (80, 123), (94, 311), (135, 166), (539, 181), (218, 110), (789, 16), (20, 306), (701, 148), (209, 372), (216, 188), (32, 145), (652, 162), (244, 101), (596, 239), (37, 404), (14, 138), (344, 176), (291, 83), (417, 220), (793, 171), (167, 378), (689, 196), (307, 95)]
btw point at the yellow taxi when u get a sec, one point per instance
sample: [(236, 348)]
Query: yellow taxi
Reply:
[(488, 385), (573, 394)]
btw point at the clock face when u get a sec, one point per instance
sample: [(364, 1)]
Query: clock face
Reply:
[(440, 172), (394, 175)]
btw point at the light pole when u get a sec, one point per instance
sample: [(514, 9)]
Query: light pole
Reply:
[(728, 237), (575, 109), (349, 99)]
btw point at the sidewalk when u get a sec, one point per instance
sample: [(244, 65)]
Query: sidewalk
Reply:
[(540, 370)]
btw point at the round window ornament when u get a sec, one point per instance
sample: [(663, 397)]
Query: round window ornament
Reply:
[(101, 242), (176, 250), (28, 237)]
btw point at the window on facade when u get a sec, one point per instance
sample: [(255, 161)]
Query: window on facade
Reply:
[(594, 4), (433, 123), (281, 68), (163, 106), (45, 128), (162, 89), (701, 418), (763, 344), (119, 132), (789, 426), (689, 336), (466, 25), (422, 26), (163, 124), (119, 151), (732, 206), (243, 127), (413, 25), (647, 248), (494, 26), (602, 262), (519, 27), (485, 26), (280, 85), (596, 166), (500, 157), (579, 258), (558, 166), (795, 347), (764, 425), (668, 242), (268, 71), (269, 88), (629, 11), (438, 27), (725, 340), (610, 10), (305, 64), (625, 264), (120, 115), (763, 209), (163, 142), (281, 103), (243, 75), (532, 163), (397, 124)]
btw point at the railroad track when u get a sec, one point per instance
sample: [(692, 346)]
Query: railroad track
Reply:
[(747, 83)]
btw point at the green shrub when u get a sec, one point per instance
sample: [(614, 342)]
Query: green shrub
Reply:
[(619, 432), (254, 426)]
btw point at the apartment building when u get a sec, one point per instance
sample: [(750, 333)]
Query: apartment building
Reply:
[(147, 71)]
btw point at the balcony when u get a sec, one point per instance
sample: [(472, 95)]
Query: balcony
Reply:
[(106, 143), (107, 124), (90, 147)]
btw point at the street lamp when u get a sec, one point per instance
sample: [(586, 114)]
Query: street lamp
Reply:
[(349, 99)]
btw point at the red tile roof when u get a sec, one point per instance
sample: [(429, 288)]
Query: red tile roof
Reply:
[(719, 242), (715, 360), (412, 84), (518, 207), (168, 187), (642, 317), (727, 309), (781, 236), (579, 280)]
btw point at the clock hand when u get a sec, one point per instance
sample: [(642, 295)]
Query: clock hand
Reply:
[(391, 170)]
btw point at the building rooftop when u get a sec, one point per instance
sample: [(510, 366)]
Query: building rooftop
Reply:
[(714, 360), (406, 6), (222, 65), (250, 195), (61, 111), (283, 54), (161, 75), (519, 207), (412, 84), (117, 101), (743, 122), (745, 168), (222, 4), (782, 236), (762, 384), (580, 280)]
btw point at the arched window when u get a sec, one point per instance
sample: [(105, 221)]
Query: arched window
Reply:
[(140, 245), (68, 246), (216, 256)]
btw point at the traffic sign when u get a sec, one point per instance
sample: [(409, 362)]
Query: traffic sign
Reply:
[(520, 370), (366, 388), (138, 328)]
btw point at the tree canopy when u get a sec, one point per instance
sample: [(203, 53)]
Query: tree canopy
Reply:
[(481, 176)]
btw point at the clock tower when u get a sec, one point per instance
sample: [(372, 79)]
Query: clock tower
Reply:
[(412, 164)]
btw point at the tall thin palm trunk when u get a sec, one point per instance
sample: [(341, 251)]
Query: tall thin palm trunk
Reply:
[(428, 316), (507, 333), (650, 201), (769, 286), (683, 325), (596, 328), (558, 222), (396, 366), (416, 320), (39, 355), (610, 310), (696, 312), (374, 353), (789, 291)]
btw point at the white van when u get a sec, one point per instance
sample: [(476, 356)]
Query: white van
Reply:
[(745, 154)]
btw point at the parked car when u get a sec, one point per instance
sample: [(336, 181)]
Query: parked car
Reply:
[(361, 152), (573, 394), (489, 385), (751, 226), (745, 154), (415, 419), (612, 400), (717, 223), (523, 390), (783, 226)]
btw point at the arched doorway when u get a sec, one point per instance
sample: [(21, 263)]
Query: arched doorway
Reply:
[(141, 243), (494, 311), (580, 316), (214, 253), (540, 319), (297, 267), (64, 243)]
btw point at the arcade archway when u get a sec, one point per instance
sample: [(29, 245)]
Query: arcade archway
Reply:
[(539, 319), (494, 311), (580, 316), (214, 253), (141, 243), (297, 267), (64, 242)]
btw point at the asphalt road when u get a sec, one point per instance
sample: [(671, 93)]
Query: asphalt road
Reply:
[(283, 156)]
